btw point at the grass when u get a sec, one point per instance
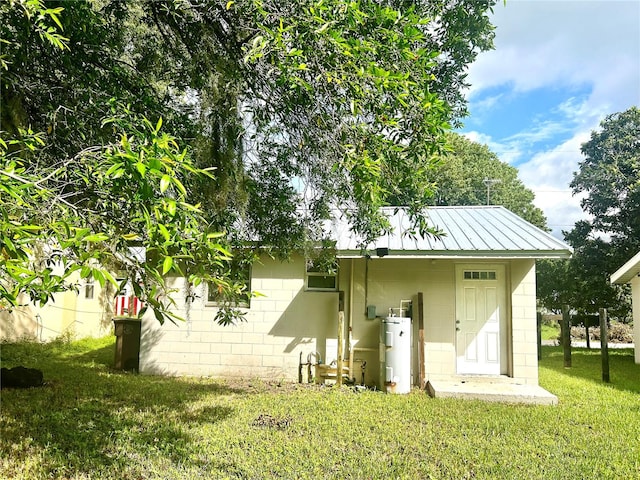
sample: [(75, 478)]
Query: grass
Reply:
[(90, 422), (550, 332)]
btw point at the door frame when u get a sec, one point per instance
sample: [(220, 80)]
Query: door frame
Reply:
[(504, 303)]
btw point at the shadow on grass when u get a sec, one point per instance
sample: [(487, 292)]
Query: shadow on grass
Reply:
[(89, 418), (587, 364)]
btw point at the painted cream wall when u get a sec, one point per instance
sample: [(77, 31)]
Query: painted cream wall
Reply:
[(288, 321), (282, 324), (393, 280), (523, 322), (389, 282), (22, 323), (635, 299), (69, 313)]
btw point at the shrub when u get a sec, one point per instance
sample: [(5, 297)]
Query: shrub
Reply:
[(580, 333), (618, 333)]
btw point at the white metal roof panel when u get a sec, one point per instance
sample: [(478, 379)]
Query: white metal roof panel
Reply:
[(475, 231)]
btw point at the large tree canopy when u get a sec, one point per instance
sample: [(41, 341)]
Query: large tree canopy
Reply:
[(300, 108), (610, 177), (460, 180)]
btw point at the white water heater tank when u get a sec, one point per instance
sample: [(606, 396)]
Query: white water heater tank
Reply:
[(395, 354)]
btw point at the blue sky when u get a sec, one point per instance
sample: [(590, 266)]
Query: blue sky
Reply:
[(559, 67)]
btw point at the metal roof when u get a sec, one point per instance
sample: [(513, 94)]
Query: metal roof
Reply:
[(468, 232), (629, 270)]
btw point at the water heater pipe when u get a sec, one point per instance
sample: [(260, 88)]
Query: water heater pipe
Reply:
[(350, 323)]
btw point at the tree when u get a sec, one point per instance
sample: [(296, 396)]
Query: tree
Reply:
[(459, 178), (299, 107), (126, 194), (582, 282), (609, 175)]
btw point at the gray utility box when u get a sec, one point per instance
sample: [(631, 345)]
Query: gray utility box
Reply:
[(127, 331)]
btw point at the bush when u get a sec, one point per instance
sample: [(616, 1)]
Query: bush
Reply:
[(580, 333), (618, 333)]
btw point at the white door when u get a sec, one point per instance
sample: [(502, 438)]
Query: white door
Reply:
[(480, 319)]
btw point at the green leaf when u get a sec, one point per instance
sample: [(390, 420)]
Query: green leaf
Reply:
[(167, 264), (98, 276), (97, 237), (180, 186), (142, 168), (85, 272), (164, 231), (164, 183), (171, 207), (110, 278)]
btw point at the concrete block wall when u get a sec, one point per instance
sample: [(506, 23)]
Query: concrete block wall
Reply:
[(288, 321), (383, 284), (523, 321), (439, 313), (284, 322)]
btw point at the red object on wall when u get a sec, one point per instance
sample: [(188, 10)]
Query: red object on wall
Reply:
[(129, 306)]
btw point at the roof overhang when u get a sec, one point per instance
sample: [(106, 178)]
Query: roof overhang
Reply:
[(629, 270), (458, 255), (468, 232)]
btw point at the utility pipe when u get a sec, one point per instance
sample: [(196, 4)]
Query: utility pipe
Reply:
[(350, 323)]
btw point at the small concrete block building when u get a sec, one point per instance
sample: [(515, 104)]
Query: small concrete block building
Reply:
[(469, 297)]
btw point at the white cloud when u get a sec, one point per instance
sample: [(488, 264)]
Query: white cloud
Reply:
[(549, 174), (541, 43), (507, 152), (589, 46)]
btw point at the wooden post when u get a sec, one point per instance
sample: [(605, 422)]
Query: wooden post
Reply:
[(340, 338), (539, 332), (604, 345), (421, 372), (565, 328), (586, 330)]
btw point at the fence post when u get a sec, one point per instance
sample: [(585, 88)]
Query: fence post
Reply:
[(565, 328), (604, 345)]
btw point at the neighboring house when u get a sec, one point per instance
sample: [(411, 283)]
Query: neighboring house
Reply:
[(478, 289), (85, 313), (630, 273)]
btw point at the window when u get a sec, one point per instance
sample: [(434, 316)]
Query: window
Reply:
[(89, 288), (322, 278), (479, 275), (240, 278)]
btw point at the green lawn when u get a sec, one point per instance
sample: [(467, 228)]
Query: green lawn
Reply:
[(92, 423), (550, 332)]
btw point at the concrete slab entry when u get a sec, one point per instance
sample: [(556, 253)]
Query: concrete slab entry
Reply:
[(491, 391)]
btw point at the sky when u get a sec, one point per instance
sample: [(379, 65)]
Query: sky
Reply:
[(558, 68)]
